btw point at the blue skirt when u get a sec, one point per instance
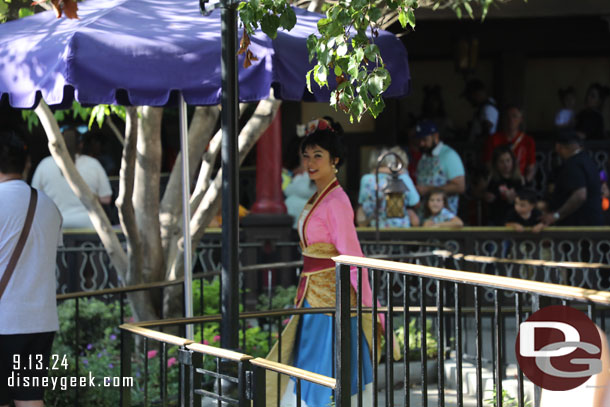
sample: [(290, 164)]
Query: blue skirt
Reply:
[(314, 352)]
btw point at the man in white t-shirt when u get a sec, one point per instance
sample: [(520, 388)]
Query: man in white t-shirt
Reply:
[(48, 178), (485, 119), (28, 309)]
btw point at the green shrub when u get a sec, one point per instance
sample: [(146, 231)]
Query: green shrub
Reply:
[(211, 297), (99, 355), (415, 340), (283, 297), (98, 348), (507, 399), (256, 339)]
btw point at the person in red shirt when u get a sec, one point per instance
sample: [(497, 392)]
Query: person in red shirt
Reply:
[(522, 145)]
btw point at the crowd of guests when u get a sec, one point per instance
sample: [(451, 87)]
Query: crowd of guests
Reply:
[(434, 174)]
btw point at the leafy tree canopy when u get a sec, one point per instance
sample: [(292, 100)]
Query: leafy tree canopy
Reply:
[(344, 47)]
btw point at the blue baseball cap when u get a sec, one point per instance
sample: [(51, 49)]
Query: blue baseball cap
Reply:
[(425, 128)]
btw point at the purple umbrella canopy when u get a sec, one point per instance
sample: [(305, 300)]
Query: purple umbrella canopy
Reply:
[(140, 52)]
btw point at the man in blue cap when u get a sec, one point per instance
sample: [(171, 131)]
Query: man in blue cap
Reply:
[(440, 166)]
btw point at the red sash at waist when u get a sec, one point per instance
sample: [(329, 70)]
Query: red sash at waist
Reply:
[(313, 264)]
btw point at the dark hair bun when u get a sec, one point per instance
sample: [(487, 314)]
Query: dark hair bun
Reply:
[(330, 139)]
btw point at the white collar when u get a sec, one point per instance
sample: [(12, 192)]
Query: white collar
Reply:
[(437, 150)]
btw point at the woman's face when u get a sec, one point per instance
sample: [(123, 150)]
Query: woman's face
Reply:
[(513, 119), (504, 165), (318, 164), (436, 202), (593, 99), (570, 101)]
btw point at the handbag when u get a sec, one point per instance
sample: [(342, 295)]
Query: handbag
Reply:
[(12, 263)]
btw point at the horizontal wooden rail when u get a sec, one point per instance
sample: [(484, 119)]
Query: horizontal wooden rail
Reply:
[(402, 243), (242, 315), (419, 230), (158, 336), (218, 352), (468, 230), (483, 280), (313, 310), (295, 372), (526, 262), (178, 341)]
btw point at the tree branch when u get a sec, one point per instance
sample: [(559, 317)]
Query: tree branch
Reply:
[(98, 217), (210, 203), (249, 135), (115, 130), (207, 165), (199, 134), (124, 201)]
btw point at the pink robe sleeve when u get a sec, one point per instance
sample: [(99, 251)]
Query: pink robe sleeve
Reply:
[(340, 218)]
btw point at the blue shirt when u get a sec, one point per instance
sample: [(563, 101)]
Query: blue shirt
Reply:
[(443, 165), (366, 199), (443, 216)]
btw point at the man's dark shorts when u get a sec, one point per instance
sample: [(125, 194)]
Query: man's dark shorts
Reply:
[(38, 347)]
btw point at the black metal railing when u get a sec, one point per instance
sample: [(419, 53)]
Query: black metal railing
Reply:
[(447, 305), (83, 265), (465, 288)]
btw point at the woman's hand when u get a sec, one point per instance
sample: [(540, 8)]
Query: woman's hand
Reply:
[(415, 221), (489, 197), (361, 219), (510, 194), (515, 226), (538, 228)]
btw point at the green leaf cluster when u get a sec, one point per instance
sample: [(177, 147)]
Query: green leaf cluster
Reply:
[(269, 15), (345, 48), (11, 10), (96, 114)]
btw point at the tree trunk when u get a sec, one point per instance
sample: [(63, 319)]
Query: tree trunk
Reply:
[(141, 301), (146, 192), (124, 201), (210, 203)]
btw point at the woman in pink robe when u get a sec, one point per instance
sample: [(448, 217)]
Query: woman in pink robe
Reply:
[(326, 229)]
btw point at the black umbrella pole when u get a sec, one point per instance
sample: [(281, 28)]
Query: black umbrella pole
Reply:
[(230, 165)]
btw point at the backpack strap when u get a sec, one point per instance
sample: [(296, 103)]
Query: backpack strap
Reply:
[(12, 263)]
